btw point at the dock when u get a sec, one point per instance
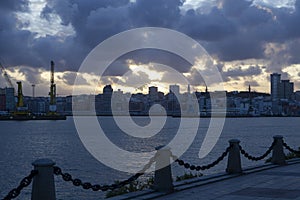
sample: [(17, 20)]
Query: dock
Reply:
[(278, 178), (264, 182)]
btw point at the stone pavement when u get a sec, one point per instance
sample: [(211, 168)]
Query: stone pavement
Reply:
[(277, 183), (260, 183)]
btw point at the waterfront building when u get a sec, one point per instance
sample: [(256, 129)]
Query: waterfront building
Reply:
[(153, 94), (107, 94), (7, 99), (281, 91), (2, 101), (41, 107), (297, 96), (138, 104), (174, 89), (275, 86), (286, 89), (68, 106), (119, 102)]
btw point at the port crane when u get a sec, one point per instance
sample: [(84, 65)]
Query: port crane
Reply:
[(10, 85), (52, 93), (20, 108)]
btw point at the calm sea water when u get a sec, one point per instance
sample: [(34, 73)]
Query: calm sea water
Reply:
[(25, 141)]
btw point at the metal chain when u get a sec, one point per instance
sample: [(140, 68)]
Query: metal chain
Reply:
[(86, 185), (204, 167), (243, 152), (290, 148), (24, 183)]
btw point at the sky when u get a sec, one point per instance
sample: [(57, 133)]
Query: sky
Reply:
[(247, 40)]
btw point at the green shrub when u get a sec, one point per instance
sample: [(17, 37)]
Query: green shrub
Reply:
[(189, 175), (132, 187), (288, 156)]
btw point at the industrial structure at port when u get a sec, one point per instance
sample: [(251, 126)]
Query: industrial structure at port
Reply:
[(16, 109), (282, 101)]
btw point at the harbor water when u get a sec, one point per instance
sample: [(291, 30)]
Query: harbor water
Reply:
[(22, 142)]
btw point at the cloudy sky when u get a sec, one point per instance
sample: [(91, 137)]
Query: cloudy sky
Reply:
[(247, 40)]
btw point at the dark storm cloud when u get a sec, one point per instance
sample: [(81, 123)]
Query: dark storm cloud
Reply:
[(69, 78), (235, 8), (32, 75), (145, 56), (240, 72), (14, 5), (251, 83), (76, 12), (290, 21), (13, 41), (232, 30), (117, 68), (251, 28), (209, 27), (292, 52), (161, 13)]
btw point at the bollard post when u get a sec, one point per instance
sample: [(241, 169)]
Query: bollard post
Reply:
[(278, 156), (234, 158), (43, 183), (163, 176)]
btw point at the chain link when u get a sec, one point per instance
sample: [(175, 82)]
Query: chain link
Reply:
[(290, 148), (24, 183), (86, 185), (204, 167), (243, 152)]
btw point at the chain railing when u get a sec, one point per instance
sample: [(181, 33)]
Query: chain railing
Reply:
[(46, 168), (277, 157), (86, 185), (204, 167), (253, 158), (24, 183), (291, 149)]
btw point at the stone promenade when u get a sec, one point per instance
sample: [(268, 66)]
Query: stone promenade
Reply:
[(259, 183)]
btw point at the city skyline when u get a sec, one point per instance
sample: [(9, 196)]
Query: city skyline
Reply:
[(144, 88), (282, 101), (247, 40)]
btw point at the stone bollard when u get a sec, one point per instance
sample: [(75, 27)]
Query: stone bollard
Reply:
[(43, 183), (234, 158), (163, 181), (278, 156)]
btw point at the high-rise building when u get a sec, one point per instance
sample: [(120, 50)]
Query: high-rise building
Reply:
[(107, 91), (286, 89), (153, 93), (107, 94), (10, 99), (2, 100), (174, 89), (7, 101), (275, 86)]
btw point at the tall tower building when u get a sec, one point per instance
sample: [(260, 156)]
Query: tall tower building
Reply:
[(174, 89), (153, 93), (107, 94), (286, 89), (275, 86), (52, 93), (10, 99)]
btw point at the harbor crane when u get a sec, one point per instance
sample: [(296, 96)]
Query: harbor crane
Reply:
[(52, 93), (20, 108), (10, 85)]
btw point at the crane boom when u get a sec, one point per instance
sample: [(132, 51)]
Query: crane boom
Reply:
[(52, 93), (6, 76)]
